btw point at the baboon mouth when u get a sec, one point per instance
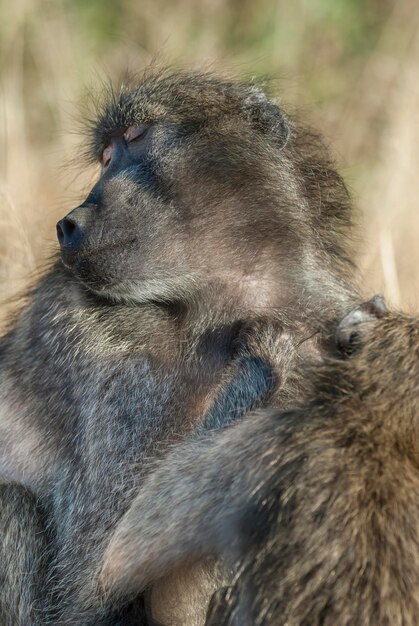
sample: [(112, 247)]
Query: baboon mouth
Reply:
[(92, 264), (71, 256), (85, 272)]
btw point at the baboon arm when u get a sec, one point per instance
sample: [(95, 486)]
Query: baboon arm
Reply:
[(183, 506), (251, 383)]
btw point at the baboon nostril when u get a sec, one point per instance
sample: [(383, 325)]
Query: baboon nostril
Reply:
[(68, 232), (60, 233)]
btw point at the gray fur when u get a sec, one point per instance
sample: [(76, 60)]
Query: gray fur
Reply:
[(23, 556)]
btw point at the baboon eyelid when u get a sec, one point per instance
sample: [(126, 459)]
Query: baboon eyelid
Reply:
[(135, 132), (106, 155)]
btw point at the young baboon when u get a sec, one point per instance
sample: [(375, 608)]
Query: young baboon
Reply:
[(317, 507), (214, 218)]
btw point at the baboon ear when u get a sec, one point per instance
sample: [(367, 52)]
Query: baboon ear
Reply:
[(348, 332), (267, 117)]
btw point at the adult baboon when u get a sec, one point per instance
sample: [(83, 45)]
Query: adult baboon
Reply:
[(216, 224), (318, 506)]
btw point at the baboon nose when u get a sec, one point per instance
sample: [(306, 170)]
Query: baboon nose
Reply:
[(69, 232)]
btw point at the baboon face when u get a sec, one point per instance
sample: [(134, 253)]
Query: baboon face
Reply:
[(188, 167)]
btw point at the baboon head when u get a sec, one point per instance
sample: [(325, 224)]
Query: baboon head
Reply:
[(203, 181), (382, 353)]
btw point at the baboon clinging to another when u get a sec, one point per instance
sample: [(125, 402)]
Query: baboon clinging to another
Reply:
[(318, 507), (211, 248)]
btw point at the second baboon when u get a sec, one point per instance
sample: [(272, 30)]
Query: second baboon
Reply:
[(216, 223), (317, 508)]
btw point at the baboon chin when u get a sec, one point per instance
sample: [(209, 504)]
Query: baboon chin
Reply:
[(209, 259)]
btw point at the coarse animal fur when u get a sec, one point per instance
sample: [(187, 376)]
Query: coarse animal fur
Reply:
[(214, 217), (317, 507), (24, 555)]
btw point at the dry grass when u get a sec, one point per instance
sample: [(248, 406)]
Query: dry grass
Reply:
[(48, 56)]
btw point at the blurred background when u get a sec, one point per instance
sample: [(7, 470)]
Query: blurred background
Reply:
[(350, 66)]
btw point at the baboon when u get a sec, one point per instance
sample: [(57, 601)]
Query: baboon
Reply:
[(188, 285), (317, 507)]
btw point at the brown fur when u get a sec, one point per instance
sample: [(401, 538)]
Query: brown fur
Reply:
[(316, 508)]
